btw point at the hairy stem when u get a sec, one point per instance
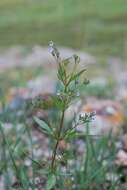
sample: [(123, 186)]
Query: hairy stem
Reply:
[(57, 142)]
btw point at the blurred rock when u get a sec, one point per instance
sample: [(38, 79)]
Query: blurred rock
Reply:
[(39, 55), (99, 81), (63, 145), (122, 93), (44, 84), (122, 86), (121, 159), (122, 78), (16, 103), (35, 87), (122, 187), (18, 92), (11, 57), (124, 142), (1, 183)]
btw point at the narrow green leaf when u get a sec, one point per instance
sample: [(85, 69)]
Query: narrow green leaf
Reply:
[(75, 76), (44, 126), (61, 73), (44, 171), (51, 182), (65, 62), (78, 74), (71, 134)]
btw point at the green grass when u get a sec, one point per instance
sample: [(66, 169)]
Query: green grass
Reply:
[(91, 174), (94, 25)]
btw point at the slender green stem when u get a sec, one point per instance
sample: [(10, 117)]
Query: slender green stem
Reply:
[(87, 150), (57, 142), (59, 133)]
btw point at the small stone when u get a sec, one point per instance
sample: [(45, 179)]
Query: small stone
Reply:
[(121, 159)]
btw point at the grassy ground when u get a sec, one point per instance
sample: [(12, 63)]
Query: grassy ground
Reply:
[(97, 26)]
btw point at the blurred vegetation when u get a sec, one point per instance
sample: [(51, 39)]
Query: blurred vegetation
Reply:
[(17, 77), (97, 26)]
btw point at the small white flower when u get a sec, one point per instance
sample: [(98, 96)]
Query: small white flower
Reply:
[(51, 44), (58, 93), (77, 94)]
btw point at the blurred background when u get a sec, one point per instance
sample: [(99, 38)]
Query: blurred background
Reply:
[(96, 30), (96, 26)]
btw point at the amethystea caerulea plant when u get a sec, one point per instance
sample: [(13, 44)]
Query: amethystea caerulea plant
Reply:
[(69, 77)]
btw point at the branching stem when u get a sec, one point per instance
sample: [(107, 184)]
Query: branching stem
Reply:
[(59, 134)]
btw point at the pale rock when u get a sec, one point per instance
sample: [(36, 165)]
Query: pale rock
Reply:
[(121, 158)]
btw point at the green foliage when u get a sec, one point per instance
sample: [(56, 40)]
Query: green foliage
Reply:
[(98, 91)]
